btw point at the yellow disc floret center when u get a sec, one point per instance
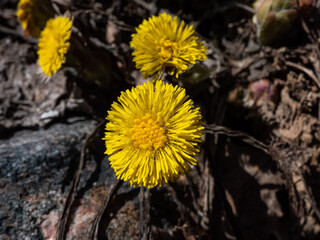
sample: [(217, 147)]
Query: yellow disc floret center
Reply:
[(148, 133), (167, 49)]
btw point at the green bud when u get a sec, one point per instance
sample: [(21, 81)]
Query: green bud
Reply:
[(276, 19)]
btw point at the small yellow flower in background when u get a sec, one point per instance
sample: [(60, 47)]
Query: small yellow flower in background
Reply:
[(33, 14), (53, 44), (25, 15), (161, 43), (153, 134)]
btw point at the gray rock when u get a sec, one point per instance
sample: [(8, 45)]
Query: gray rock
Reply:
[(35, 167)]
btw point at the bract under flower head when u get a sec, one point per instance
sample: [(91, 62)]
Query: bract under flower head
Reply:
[(161, 43), (33, 14), (53, 44), (153, 134)]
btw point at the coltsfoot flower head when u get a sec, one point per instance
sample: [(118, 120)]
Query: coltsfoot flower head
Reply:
[(153, 134), (53, 44), (33, 14), (161, 43)]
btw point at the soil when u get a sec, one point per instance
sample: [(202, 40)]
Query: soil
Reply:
[(258, 174)]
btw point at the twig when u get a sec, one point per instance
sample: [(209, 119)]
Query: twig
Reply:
[(245, 7), (271, 151), (305, 70), (13, 32), (217, 115), (219, 190), (63, 221), (9, 31), (313, 36), (97, 220), (181, 207), (215, 129), (304, 24), (144, 216), (233, 5)]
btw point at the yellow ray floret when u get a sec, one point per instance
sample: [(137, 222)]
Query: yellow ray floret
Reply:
[(26, 15), (161, 43), (152, 134), (53, 44), (32, 14)]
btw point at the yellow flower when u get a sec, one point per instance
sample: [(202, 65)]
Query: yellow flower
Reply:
[(53, 44), (161, 43), (33, 14), (153, 134)]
